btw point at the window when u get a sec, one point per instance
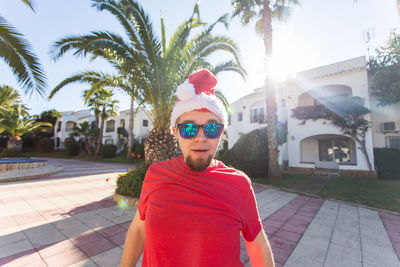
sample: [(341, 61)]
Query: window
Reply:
[(109, 142), (389, 126), (240, 116), (393, 142), (110, 126), (257, 115), (338, 150), (70, 126), (145, 123), (122, 123), (59, 126)]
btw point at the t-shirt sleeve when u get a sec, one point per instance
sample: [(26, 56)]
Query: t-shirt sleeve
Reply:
[(251, 219), (144, 195)]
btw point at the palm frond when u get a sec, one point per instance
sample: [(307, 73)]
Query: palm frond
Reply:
[(29, 3), (17, 53), (229, 66), (224, 101)]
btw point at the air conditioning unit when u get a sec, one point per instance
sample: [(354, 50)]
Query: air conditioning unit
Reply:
[(390, 126)]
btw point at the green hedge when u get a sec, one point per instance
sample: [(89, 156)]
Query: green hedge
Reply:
[(71, 146), (108, 151), (249, 154), (46, 145), (130, 184), (387, 162)]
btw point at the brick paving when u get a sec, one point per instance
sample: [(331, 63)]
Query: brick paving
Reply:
[(70, 219)]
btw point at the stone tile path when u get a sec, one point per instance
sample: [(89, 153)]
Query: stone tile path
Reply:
[(70, 219)]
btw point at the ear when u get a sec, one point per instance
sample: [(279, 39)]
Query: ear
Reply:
[(174, 130)]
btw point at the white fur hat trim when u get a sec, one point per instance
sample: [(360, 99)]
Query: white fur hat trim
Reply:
[(198, 101)]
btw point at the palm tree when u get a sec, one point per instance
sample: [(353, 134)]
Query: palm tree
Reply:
[(84, 129), (16, 51), (15, 124), (103, 106), (264, 11), (100, 80), (153, 67), (10, 99)]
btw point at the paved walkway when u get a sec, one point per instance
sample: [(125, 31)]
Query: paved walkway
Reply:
[(70, 219)]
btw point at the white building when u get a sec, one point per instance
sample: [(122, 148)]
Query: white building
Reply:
[(69, 119), (319, 144)]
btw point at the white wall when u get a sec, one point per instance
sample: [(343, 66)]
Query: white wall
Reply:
[(380, 115), (244, 105), (349, 76)]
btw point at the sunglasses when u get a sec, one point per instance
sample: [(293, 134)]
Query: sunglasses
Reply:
[(190, 130)]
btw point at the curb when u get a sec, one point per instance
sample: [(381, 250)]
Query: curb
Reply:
[(53, 170)]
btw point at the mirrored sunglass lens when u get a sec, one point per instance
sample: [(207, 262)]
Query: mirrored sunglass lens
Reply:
[(188, 130), (212, 130)]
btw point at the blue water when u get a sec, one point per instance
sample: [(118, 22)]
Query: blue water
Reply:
[(21, 160)]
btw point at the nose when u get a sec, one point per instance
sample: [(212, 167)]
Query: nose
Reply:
[(200, 136)]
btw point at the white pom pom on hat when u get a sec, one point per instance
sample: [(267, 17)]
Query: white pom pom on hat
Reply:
[(198, 94), (185, 91)]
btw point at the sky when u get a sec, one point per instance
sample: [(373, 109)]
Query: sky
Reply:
[(319, 32)]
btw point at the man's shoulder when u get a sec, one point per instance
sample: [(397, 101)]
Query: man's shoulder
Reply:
[(170, 163), (228, 170)]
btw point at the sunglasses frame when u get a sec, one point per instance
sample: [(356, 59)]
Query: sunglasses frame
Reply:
[(200, 126)]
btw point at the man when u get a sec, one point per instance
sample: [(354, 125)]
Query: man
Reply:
[(193, 208)]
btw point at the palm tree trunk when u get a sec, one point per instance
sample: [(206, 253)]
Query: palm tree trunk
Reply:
[(273, 164), (14, 142), (160, 145), (87, 146), (100, 138), (130, 129), (96, 125)]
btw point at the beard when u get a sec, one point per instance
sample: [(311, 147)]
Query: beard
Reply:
[(200, 164)]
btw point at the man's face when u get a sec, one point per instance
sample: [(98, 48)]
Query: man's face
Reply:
[(200, 150)]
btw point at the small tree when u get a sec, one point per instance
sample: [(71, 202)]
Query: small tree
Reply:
[(15, 124), (84, 129), (347, 115), (384, 71), (49, 116)]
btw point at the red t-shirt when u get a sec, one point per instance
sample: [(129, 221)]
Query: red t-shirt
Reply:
[(195, 218)]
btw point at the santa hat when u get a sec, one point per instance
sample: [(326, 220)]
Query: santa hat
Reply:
[(198, 94)]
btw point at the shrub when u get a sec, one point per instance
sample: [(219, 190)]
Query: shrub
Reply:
[(28, 141), (46, 145), (130, 184), (108, 151), (9, 153), (387, 163), (71, 146), (137, 148), (249, 154)]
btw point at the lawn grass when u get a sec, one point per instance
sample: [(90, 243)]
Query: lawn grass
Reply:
[(384, 194), (288, 180)]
